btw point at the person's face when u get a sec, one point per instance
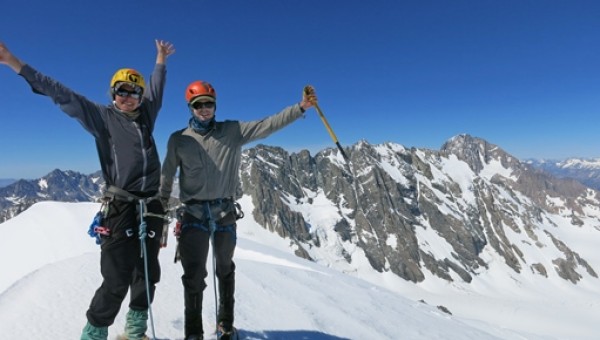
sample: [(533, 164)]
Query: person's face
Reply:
[(127, 99), (203, 110)]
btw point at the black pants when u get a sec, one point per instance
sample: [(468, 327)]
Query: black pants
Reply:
[(194, 248), (121, 263)]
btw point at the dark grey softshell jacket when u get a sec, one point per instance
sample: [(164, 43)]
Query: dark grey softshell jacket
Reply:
[(126, 148)]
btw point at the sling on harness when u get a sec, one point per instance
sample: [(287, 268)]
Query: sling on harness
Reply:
[(96, 229)]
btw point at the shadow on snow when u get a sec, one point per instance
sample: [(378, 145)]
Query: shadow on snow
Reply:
[(287, 334)]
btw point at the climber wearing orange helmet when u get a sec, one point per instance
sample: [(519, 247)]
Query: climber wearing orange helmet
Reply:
[(131, 169), (208, 155)]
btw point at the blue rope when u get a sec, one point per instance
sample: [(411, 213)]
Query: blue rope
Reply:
[(212, 227), (143, 234)]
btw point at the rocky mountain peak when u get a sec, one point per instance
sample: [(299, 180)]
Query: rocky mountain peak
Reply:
[(390, 200), (477, 152)]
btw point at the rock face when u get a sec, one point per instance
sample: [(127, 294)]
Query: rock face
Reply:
[(417, 212), (452, 213)]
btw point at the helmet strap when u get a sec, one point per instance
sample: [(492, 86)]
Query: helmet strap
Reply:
[(134, 114)]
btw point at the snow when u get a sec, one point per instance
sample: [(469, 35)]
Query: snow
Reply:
[(389, 163), (43, 184), (431, 242), (50, 270), (461, 173), (495, 167)]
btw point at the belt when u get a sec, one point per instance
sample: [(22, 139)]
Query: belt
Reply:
[(119, 194), (210, 202)]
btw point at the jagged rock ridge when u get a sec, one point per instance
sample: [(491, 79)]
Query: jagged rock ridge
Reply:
[(415, 212)]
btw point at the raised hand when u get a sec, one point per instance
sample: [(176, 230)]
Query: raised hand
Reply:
[(309, 97), (163, 50), (7, 58)]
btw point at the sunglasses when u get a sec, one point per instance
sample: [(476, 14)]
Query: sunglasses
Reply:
[(126, 93), (200, 105)]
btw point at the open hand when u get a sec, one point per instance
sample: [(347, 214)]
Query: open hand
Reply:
[(163, 49)]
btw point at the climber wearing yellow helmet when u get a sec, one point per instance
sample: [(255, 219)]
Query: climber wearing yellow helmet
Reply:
[(131, 169)]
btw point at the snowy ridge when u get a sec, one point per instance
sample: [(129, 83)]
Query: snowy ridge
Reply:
[(279, 296)]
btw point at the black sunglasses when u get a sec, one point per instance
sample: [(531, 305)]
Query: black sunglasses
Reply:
[(199, 105), (125, 93)]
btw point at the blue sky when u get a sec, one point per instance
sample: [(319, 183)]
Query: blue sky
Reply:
[(522, 74)]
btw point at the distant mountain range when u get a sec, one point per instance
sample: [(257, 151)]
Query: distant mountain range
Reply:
[(65, 186), (584, 170), (392, 207)]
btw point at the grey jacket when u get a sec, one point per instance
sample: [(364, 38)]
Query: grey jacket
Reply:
[(126, 148), (209, 165)]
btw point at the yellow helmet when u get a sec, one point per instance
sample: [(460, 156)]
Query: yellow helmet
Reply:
[(130, 76)]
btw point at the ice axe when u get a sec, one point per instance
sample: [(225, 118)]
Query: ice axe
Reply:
[(308, 92)]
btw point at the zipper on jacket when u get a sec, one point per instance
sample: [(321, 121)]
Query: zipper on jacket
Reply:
[(118, 175), (144, 156)]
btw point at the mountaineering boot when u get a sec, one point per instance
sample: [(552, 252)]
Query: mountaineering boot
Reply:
[(194, 337), (135, 326), (193, 316), (226, 302), (226, 332), (94, 333)]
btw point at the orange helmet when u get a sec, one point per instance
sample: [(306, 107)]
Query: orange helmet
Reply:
[(199, 88)]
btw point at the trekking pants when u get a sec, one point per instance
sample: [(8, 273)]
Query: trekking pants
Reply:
[(121, 263), (194, 245)]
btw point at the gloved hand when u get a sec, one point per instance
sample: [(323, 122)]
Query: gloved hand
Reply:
[(309, 97)]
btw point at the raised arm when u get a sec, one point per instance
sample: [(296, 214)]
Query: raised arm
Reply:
[(251, 131), (154, 91), (7, 58)]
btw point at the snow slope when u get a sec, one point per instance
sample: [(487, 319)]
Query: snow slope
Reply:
[(50, 270)]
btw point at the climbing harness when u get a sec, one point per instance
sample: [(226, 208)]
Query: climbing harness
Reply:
[(180, 225)]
